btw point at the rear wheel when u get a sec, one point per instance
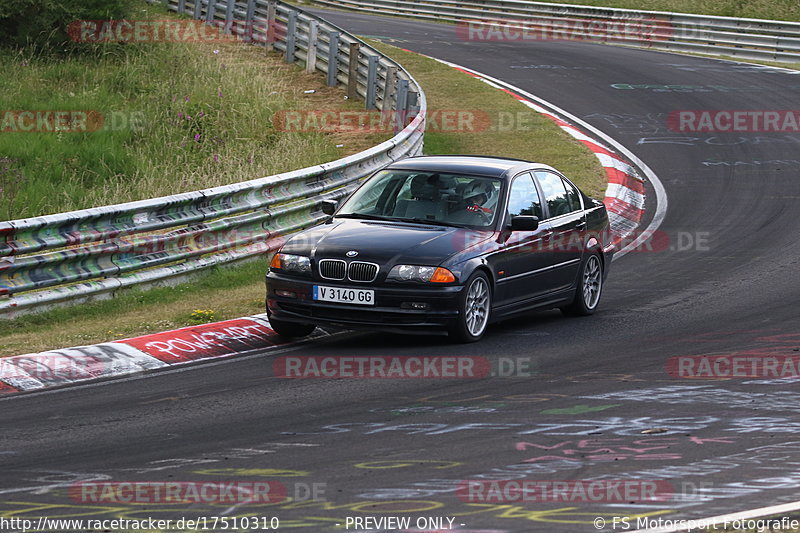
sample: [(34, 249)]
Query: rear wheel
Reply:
[(590, 285), (290, 329), (475, 305)]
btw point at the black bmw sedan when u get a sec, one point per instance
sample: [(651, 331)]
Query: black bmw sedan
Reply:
[(444, 244)]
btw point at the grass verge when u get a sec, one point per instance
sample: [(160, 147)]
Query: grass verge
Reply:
[(176, 117), (760, 9), (225, 293)]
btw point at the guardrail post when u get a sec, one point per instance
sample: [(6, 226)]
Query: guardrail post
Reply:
[(229, 15), (181, 6), (372, 81), (271, 21), (198, 5), (411, 104), (248, 20), (291, 36), (352, 71), (211, 10), (333, 58), (401, 107), (388, 90), (311, 59)]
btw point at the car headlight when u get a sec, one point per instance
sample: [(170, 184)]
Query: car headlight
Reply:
[(421, 273), (294, 264)]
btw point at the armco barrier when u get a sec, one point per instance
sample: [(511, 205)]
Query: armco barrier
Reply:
[(519, 19), (72, 257)]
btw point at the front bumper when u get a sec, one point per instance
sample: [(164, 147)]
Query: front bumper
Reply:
[(386, 314)]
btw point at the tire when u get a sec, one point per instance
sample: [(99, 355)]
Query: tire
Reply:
[(291, 329), (590, 286), (474, 308)]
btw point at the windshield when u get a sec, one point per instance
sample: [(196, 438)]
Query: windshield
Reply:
[(430, 197)]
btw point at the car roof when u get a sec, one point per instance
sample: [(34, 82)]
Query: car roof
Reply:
[(475, 165)]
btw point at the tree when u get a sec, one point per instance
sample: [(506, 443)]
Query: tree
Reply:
[(44, 23)]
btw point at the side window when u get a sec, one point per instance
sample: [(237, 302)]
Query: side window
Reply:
[(573, 195), (523, 199), (555, 193)]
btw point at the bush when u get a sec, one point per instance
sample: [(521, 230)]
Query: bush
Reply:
[(44, 23)]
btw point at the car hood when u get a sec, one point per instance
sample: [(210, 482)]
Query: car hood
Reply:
[(386, 243)]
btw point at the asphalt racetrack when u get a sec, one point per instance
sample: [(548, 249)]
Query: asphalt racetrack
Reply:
[(575, 404)]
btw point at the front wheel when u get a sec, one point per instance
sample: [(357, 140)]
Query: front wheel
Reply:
[(290, 329), (475, 304), (590, 285)]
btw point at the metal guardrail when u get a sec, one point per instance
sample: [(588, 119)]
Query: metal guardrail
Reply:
[(519, 20), (76, 256)]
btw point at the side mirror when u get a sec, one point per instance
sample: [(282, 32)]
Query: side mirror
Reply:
[(329, 206), (524, 223)]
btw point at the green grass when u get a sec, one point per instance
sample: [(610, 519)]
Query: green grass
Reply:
[(762, 9), (177, 117), (230, 292)]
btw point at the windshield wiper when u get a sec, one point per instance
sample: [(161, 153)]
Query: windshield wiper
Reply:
[(363, 216), (432, 222)]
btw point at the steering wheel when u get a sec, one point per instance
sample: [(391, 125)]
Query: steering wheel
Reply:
[(487, 219)]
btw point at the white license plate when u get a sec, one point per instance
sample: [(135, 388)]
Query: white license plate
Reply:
[(344, 295)]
